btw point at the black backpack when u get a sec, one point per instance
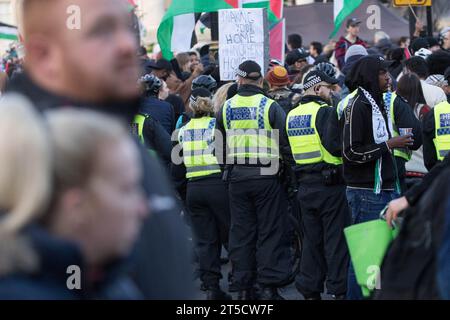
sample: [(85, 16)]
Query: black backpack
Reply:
[(409, 267)]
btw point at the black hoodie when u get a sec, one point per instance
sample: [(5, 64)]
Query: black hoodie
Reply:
[(360, 152)]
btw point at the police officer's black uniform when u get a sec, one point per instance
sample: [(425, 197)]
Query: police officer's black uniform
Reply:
[(259, 248)]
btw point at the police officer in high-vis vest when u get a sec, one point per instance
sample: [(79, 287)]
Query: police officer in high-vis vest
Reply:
[(321, 191), (436, 134), (253, 127), (148, 130), (207, 194)]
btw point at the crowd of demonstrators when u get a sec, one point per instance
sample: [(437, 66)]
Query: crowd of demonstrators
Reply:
[(384, 88)]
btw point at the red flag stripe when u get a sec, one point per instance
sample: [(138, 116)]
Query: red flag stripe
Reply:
[(233, 3), (277, 8)]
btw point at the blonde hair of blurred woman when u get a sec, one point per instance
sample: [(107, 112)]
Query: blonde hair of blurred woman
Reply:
[(76, 135), (25, 157), (220, 97), (99, 203)]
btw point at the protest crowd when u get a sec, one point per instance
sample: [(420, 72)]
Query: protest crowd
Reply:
[(154, 178)]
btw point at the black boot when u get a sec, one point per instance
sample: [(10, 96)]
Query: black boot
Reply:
[(312, 296), (270, 293), (215, 293)]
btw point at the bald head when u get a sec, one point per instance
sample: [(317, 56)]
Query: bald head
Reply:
[(42, 16), (84, 49)]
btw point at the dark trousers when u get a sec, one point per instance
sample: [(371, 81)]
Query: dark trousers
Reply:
[(259, 245), (325, 257), (208, 205)]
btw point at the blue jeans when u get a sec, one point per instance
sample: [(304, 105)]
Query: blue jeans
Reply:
[(365, 206)]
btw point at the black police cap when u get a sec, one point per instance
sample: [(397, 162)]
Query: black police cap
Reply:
[(315, 77), (249, 70)]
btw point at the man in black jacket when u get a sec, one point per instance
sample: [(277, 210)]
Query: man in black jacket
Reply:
[(259, 250), (368, 143), (96, 67)]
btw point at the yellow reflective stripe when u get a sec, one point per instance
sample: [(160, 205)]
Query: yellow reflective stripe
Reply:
[(200, 152), (251, 150), (203, 168)]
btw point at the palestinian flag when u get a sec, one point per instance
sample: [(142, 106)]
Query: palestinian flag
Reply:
[(342, 9), (275, 8), (131, 5), (177, 25), (8, 32)]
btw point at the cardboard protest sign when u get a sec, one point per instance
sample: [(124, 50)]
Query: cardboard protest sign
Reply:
[(243, 35)]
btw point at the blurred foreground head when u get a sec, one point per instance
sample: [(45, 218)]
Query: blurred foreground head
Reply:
[(81, 49), (78, 174), (26, 161)]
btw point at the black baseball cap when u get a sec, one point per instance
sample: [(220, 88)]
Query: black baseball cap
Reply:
[(249, 70), (295, 55), (314, 77), (379, 61), (161, 64), (419, 43), (353, 22)]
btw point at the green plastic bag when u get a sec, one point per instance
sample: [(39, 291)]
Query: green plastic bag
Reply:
[(367, 243)]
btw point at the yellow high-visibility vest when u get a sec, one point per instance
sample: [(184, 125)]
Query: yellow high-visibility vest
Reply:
[(303, 137), (197, 138), (442, 131)]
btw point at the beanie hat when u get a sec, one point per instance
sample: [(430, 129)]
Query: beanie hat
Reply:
[(355, 50), (278, 76)]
